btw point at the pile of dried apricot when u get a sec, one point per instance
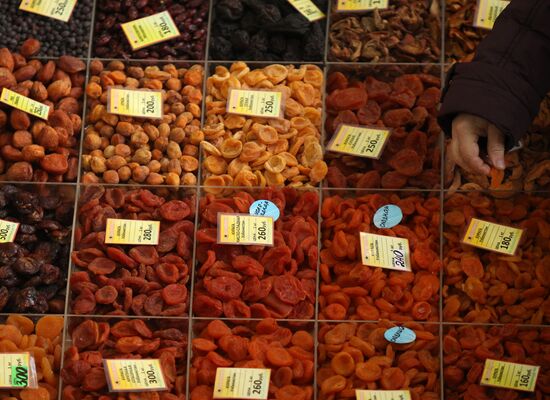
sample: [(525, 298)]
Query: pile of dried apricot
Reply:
[(354, 356), (264, 344), (137, 150), (41, 149), (132, 279), (484, 286), (259, 281), (94, 340), (351, 290), (43, 340), (245, 151), (406, 105), (465, 349)]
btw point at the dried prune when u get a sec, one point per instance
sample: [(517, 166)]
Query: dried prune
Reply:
[(34, 266)]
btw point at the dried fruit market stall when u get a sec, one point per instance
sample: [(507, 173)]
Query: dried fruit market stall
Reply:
[(252, 199)]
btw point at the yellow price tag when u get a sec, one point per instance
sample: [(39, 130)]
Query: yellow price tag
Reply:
[(8, 230), (490, 236), (25, 104), (359, 141), (135, 103), (487, 12), (361, 5), (131, 231), (56, 9), (15, 370), (385, 251), (150, 30), (242, 383), (255, 103), (510, 375), (382, 395), (125, 375), (308, 9), (245, 229)]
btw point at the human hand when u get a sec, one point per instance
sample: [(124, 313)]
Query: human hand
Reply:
[(464, 150)]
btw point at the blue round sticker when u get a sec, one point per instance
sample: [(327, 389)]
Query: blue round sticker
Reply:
[(265, 207), (400, 335), (387, 216)]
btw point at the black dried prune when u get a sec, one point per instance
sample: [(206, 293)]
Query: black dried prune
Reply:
[(26, 266), (8, 253), (230, 10), (29, 300), (49, 273), (4, 296), (33, 267), (261, 20)]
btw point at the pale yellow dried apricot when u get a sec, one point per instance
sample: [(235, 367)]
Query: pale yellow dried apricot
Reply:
[(252, 78), (215, 165), (267, 134), (275, 164), (231, 148), (275, 73), (274, 178)]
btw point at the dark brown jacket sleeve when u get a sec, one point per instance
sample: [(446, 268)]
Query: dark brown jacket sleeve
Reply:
[(509, 75)]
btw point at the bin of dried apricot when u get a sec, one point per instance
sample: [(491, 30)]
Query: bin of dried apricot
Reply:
[(461, 36), (351, 290), (122, 149), (91, 341), (404, 31), (252, 280), (31, 148), (527, 168), (286, 350), (253, 151), (41, 338), (33, 268), (484, 286), (354, 356), (466, 347), (125, 279), (400, 99)]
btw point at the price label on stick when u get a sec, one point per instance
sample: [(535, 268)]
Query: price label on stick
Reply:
[(308, 9), (131, 231), (15, 370), (135, 103), (359, 141), (510, 375), (361, 5), (56, 9), (245, 229), (150, 30), (8, 230), (385, 251), (25, 104), (255, 103), (490, 236), (125, 375), (383, 395), (487, 12), (242, 383)]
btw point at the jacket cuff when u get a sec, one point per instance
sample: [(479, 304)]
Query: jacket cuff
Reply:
[(491, 93)]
